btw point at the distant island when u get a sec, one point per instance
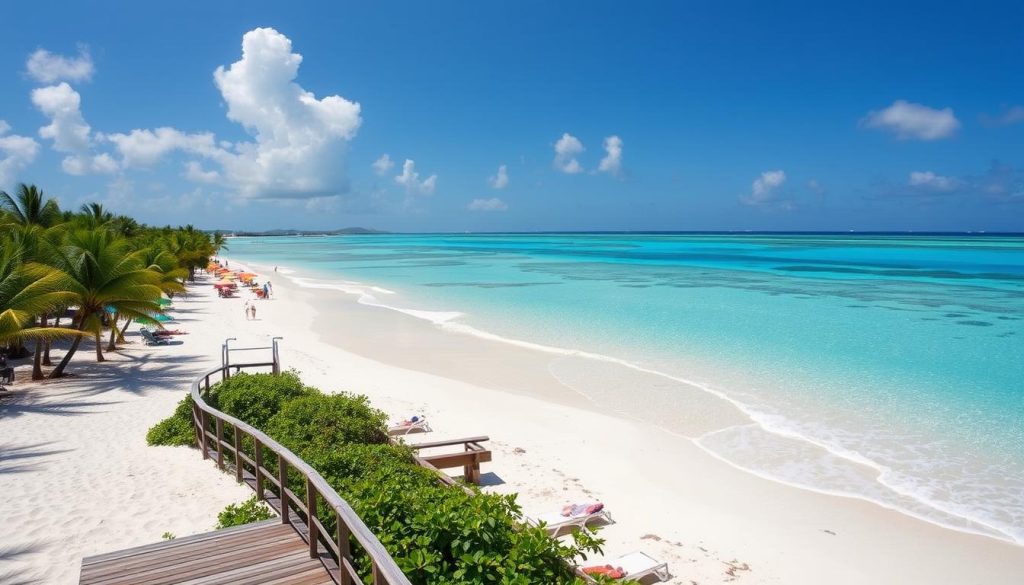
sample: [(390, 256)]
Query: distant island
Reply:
[(340, 232)]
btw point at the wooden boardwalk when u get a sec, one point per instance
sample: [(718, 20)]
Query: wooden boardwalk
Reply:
[(262, 552)]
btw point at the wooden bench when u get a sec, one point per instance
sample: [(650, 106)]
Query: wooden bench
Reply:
[(469, 459)]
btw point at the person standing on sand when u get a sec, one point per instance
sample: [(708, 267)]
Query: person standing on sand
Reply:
[(266, 291), (246, 310), (252, 311)]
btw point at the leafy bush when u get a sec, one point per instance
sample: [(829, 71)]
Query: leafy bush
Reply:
[(251, 510), (255, 398), (438, 535), (322, 422), (176, 429)]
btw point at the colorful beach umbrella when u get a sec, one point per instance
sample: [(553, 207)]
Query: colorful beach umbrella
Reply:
[(164, 302), (163, 318)]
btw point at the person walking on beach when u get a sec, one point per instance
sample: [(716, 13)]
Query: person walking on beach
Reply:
[(270, 288), (246, 310), (266, 291), (252, 311)]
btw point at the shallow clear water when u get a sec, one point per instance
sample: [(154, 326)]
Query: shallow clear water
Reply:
[(885, 367)]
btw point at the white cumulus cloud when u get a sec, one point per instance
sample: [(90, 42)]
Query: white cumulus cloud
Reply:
[(299, 141), (931, 181), (16, 153), (144, 148), (913, 121), (764, 188), (69, 131), (67, 128), (492, 204), (410, 179), (47, 67), (612, 161), (382, 165), (567, 149), (499, 180)]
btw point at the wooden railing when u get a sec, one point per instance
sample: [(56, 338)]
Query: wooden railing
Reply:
[(305, 515)]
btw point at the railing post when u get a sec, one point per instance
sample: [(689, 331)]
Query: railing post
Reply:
[(378, 577), (343, 550), (310, 516), (282, 478), (259, 468), (220, 442), (205, 423), (238, 454)]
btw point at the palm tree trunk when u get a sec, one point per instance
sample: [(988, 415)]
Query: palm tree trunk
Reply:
[(37, 361), (99, 343), (113, 334), (120, 336), (59, 370), (46, 351)]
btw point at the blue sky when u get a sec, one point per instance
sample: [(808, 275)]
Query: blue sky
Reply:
[(679, 116)]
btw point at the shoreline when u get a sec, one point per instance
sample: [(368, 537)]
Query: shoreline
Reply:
[(426, 350), (718, 411)]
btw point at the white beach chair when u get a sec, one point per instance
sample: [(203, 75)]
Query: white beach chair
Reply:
[(403, 428), (637, 566), (555, 522)]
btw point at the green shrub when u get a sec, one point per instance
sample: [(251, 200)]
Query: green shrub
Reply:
[(249, 511), (438, 535), (255, 398), (175, 430), (322, 422)]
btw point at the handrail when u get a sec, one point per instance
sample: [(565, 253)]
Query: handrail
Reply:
[(335, 550)]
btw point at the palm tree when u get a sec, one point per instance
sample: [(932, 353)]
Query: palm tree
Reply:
[(31, 212), (95, 215), (170, 280), (29, 206), (27, 290), (104, 273)]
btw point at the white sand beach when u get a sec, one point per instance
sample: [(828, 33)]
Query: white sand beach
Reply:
[(80, 480)]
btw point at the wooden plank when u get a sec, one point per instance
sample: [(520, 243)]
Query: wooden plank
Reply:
[(256, 573), (181, 554), (449, 460), (449, 442), (211, 563), (185, 540)]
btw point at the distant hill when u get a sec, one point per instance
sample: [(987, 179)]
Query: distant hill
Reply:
[(342, 231)]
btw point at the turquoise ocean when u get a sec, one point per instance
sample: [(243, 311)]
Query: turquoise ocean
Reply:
[(883, 367)]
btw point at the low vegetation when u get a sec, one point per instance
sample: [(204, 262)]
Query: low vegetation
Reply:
[(436, 533)]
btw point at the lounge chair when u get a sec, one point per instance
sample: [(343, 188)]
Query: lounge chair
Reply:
[(152, 339), (416, 424), (555, 522), (635, 566)]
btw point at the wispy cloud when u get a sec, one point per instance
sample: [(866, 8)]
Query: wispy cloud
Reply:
[(612, 161), (499, 180), (1009, 116), (763, 190), (492, 204), (567, 149), (382, 165), (410, 179), (16, 153), (910, 121), (1000, 184), (47, 67), (930, 181)]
